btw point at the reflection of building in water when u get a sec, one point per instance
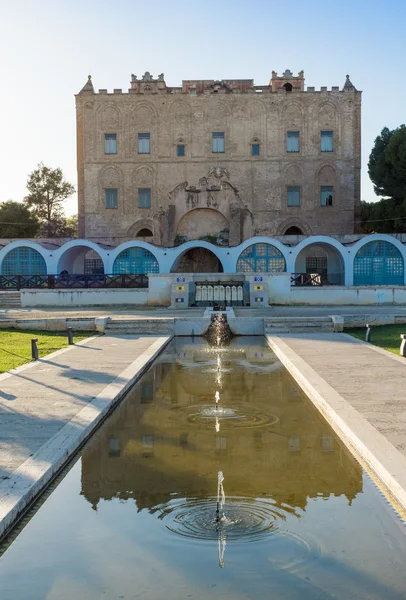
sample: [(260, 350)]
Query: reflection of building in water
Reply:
[(150, 449)]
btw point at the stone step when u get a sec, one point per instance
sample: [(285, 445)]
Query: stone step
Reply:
[(298, 325), (298, 319), (140, 326), (10, 299)]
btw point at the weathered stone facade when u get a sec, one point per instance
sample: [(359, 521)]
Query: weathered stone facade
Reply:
[(225, 197)]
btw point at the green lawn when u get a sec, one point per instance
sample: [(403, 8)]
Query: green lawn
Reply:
[(15, 345), (384, 336)]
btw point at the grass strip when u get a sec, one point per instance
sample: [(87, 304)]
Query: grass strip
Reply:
[(384, 336), (15, 345)]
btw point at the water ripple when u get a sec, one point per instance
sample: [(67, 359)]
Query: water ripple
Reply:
[(235, 417), (244, 520)]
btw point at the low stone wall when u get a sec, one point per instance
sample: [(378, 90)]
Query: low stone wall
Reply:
[(281, 292), (341, 296), (375, 320), (274, 287), (83, 297), (57, 324)]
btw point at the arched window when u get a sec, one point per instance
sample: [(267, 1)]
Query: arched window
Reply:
[(261, 258), (288, 87), (144, 233), (23, 261), (378, 263), (293, 230), (135, 260)]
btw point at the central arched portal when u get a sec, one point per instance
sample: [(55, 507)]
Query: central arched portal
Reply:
[(203, 224), (197, 260)]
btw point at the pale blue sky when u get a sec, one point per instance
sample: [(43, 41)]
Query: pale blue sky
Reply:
[(49, 47)]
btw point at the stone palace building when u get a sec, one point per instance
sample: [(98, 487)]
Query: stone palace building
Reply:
[(221, 161), (260, 184)]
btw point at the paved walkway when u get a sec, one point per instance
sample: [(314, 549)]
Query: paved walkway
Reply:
[(373, 382), (40, 398), (361, 389), (155, 312)]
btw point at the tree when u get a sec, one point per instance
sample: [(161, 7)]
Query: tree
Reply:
[(47, 189), (387, 164), (16, 221), (60, 227), (387, 170), (385, 216)]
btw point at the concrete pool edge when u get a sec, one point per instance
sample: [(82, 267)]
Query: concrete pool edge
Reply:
[(31, 477), (360, 436)]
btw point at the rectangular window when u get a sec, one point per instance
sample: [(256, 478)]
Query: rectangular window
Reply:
[(326, 141), (110, 143), (255, 149), (218, 142), (144, 198), (293, 141), (111, 198), (294, 196), (326, 195), (114, 447), (144, 146), (181, 150)]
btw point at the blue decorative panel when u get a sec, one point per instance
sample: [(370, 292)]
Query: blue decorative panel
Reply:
[(23, 261), (135, 260), (378, 263), (262, 258)]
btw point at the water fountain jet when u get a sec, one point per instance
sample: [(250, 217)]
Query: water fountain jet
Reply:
[(219, 333)]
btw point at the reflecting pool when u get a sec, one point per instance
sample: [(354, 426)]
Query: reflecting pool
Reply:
[(137, 515)]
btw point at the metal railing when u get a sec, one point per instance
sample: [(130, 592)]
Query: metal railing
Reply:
[(306, 279), (69, 281)]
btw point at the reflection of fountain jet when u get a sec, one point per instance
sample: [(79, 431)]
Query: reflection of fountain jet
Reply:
[(221, 537), (221, 545), (221, 498)]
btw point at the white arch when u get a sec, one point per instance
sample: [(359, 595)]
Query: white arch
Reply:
[(155, 251), (176, 253), (376, 237), (67, 255), (322, 240), (45, 253), (260, 239)]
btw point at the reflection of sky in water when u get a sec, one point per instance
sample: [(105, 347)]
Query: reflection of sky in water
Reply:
[(135, 517)]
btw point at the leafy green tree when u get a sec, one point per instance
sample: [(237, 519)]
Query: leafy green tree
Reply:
[(387, 170), (395, 155), (47, 190), (387, 163), (60, 227), (16, 221)]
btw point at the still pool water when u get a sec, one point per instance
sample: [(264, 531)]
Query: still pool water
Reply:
[(135, 516)]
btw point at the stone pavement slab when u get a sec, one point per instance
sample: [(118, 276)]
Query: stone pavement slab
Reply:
[(37, 401), (49, 408), (373, 382)]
